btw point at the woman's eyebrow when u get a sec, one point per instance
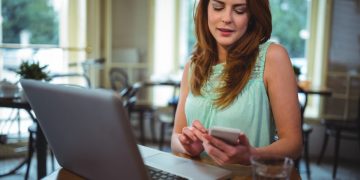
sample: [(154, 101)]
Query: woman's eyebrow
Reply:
[(218, 1), (240, 5), (221, 2)]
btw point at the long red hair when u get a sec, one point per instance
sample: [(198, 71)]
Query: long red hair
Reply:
[(241, 55)]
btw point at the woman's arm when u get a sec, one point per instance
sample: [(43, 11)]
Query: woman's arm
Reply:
[(185, 139), (282, 90), (180, 119)]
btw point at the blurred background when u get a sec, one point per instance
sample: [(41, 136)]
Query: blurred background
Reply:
[(151, 40)]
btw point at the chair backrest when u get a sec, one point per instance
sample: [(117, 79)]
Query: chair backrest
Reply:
[(140, 92), (168, 89), (86, 65), (119, 79), (303, 99), (80, 79), (358, 118), (129, 95)]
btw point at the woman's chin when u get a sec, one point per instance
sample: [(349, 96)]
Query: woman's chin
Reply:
[(225, 45), (225, 42)]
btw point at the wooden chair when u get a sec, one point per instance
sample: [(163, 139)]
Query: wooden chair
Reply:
[(19, 155), (82, 78), (306, 129), (166, 119), (31, 149), (145, 109), (119, 79), (348, 128)]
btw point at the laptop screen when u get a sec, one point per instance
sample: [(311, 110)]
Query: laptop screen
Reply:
[(88, 130)]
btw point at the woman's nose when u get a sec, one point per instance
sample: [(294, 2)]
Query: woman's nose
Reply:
[(226, 16)]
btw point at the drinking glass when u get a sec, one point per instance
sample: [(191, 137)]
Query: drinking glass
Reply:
[(274, 168)]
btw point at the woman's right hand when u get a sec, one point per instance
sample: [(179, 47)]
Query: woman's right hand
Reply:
[(192, 137)]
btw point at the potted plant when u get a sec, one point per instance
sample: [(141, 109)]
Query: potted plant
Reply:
[(33, 70)]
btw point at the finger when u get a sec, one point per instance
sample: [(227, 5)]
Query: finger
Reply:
[(217, 161), (183, 139), (206, 138), (215, 153), (243, 140), (195, 135), (207, 148), (199, 134), (188, 131), (197, 124), (223, 146)]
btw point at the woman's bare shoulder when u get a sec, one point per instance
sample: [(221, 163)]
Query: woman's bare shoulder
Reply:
[(277, 57), (187, 65), (185, 77), (277, 52), (277, 62)]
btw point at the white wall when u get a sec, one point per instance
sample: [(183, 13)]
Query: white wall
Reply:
[(130, 22), (345, 36)]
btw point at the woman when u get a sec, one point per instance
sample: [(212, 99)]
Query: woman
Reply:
[(237, 79)]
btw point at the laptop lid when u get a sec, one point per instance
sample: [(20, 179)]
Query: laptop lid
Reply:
[(90, 134), (88, 130)]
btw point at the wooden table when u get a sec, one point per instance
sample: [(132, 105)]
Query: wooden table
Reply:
[(319, 91), (41, 144), (240, 172), (314, 90)]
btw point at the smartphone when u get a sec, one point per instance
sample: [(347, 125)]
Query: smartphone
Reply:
[(229, 135)]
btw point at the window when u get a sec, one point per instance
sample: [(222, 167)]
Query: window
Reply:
[(39, 30), (188, 30), (306, 33), (23, 23), (290, 28)]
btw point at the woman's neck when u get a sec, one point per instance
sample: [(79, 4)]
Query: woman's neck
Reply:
[(222, 53)]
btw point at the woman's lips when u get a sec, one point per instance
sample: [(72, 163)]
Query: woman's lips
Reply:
[(225, 32)]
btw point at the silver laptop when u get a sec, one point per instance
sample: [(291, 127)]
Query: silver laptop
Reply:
[(90, 134)]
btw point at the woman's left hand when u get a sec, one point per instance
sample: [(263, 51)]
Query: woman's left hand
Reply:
[(223, 153)]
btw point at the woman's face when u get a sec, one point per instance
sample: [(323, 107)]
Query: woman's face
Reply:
[(227, 20)]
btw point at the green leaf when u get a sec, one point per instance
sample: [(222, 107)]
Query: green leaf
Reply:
[(33, 70)]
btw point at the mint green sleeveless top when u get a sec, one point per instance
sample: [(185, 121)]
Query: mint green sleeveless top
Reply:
[(249, 112)]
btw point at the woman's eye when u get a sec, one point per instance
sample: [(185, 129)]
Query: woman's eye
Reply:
[(240, 10), (217, 7)]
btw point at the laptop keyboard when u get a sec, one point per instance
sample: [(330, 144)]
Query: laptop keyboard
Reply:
[(159, 174)]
